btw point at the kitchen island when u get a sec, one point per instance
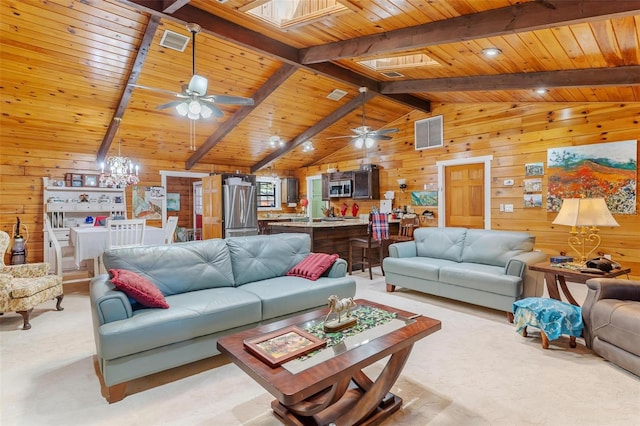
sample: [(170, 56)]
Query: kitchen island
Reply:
[(330, 236)]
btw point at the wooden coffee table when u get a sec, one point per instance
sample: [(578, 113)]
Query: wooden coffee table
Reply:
[(336, 390)]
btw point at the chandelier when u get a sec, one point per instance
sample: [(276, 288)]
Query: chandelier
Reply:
[(120, 170)]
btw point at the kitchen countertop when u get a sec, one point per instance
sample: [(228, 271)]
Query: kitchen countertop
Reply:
[(348, 221), (322, 223)]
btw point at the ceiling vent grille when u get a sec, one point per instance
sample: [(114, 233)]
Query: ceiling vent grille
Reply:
[(429, 133), (336, 95), (174, 41), (392, 74)]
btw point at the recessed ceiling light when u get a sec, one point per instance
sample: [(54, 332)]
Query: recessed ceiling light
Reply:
[(542, 91), (491, 51)]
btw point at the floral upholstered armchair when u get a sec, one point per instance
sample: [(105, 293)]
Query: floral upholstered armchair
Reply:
[(22, 287)]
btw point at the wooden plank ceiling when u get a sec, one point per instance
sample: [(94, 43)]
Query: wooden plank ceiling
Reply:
[(66, 66)]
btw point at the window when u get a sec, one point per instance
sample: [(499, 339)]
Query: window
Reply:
[(197, 195), (268, 193)]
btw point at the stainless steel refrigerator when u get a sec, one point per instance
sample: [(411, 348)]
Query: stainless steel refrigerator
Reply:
[(240, 210)]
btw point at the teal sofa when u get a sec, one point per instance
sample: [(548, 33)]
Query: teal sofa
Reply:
[(213, 287), (480, 266)]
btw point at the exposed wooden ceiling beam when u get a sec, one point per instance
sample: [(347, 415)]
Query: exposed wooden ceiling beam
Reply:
[(620, 76), (143, 50), (279, 77), (333, 71), (497, 22), (170, 6), (255, 41), (332, 118)]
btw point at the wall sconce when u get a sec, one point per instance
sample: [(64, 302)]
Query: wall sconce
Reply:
[(403, 184)]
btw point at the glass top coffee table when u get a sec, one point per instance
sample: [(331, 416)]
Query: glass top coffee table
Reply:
[(333, 388)]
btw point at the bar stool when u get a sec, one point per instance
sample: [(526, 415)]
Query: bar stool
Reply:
[(377, 232), (405, 229)]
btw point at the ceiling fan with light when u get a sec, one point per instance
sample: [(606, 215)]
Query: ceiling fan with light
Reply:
[(364, 135), (194, 101)]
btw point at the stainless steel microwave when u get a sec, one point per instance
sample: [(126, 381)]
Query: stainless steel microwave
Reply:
[(340, 188)]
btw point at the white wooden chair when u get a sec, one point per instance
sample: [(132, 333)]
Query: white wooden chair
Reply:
[(125, 233), (170, 229), (56, 245)]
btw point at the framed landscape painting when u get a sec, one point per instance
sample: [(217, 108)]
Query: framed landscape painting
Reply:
[(424, 198), (173, 202), (604, 170)]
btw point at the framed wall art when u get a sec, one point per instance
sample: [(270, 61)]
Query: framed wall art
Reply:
[(89, 180), (532, 185), (532, 200), (424, 198), (147, 202), (173, 202), (283, 345), (603, 170), (534, 169)]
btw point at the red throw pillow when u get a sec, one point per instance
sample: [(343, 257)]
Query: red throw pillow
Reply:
[(314, 265), (138, 288)]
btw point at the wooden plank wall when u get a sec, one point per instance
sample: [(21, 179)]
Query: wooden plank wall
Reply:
[(22, 169), (514, 134), (184, 187)]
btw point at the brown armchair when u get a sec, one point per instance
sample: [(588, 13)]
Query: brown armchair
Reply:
[(22, 287), (611, 315)]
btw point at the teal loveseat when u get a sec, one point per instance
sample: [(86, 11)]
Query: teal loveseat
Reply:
[(480, 266), (213, 287)]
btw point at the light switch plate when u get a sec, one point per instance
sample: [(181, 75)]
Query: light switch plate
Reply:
[(508, 182), (508, 208)]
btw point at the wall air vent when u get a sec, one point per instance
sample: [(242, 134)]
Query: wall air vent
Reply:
[(336, 95), (428, 133), (174, 41), (392, 74)]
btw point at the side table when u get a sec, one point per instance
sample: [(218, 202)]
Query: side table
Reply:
[(557, 276)]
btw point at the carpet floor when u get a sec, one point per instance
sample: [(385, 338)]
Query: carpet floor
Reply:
[(475, 371)]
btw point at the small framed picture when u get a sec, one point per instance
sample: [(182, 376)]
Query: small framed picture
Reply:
[(283, 345), (89, 180)]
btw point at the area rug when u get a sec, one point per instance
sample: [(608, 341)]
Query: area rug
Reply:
[(475, 371)]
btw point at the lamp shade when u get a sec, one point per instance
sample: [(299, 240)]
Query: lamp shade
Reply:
[(584, 212)]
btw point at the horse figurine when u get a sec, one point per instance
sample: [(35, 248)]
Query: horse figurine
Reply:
[(338, 306)]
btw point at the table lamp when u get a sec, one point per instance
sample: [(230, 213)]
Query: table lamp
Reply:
[(584, 215)]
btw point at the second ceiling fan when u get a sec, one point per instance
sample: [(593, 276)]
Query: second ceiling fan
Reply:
[(194, 101), (364, 135)]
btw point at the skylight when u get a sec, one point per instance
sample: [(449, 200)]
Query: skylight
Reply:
[(287, 13), (399, 62)]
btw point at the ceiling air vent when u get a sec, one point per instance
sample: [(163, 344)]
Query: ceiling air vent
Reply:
[(336, 95), (174, 41), (429, 133), (392, 74)]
